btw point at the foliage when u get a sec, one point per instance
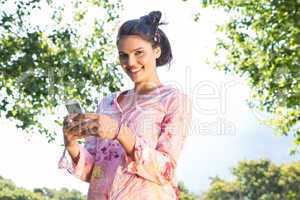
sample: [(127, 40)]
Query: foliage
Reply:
[(261, 41), (258, 180), (185, 194), (62, 194), (9, 191), (42, 65)]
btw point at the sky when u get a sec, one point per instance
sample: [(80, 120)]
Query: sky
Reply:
[(223, 132)]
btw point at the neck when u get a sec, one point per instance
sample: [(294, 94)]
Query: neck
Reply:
[(147, 86)]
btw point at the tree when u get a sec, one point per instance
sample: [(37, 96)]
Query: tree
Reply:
[(61, 194), (261, 180), (185, 194), (261, 42), (41, 66), (220, 189), (9, 191)]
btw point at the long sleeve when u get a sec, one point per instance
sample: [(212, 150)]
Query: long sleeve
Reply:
[(158, 164), (83, 167)]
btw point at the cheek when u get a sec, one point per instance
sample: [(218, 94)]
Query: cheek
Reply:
[(148, 61)]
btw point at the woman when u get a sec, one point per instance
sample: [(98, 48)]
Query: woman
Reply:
[(133, 141)]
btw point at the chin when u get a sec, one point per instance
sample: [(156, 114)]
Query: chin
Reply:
[(136, 79)]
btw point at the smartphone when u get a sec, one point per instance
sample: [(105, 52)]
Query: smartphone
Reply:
[(73, 106)]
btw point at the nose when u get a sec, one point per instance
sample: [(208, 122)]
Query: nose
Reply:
[(131, 61)]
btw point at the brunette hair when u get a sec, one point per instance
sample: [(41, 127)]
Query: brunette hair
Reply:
[(147, 28)]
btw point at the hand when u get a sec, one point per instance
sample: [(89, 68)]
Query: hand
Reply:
[(100, 125), (71, 129)]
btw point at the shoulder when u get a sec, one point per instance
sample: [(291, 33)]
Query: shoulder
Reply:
[(173, 94), (105, 101), (174, 98)]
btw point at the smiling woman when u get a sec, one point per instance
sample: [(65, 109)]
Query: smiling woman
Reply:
[(143, 46), (137, 57), (133, 141)]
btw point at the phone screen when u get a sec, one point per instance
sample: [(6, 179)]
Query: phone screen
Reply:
[(73, 106)]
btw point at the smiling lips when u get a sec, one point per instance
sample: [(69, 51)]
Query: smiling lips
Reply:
[(134, 71)]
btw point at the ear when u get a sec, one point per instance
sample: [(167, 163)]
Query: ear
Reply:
[(157, 51)]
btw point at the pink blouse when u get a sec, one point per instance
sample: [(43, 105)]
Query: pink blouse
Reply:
[(160, 121)]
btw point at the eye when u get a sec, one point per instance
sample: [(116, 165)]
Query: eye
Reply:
[(122, 56), (139, 53)]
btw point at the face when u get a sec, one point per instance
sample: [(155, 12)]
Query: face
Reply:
[(138, 58)]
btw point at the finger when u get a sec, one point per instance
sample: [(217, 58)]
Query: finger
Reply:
[(76, 132), (93, 127), (65, 122), (82, 127), (74, 128), (90, 124), (93, 131), (78, 135), (72, 116), (92, 116), (67, 125), (66, 119), (77, 126), (73, 120), (69, 119), (76, 116), (84, 132)]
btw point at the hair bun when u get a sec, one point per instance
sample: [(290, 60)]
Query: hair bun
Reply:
[(155, 17), (152, 18)]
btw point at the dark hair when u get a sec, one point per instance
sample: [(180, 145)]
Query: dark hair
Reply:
[(147, 28)]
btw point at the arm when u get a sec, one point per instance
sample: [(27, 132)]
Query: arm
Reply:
[(80, 160), (158, 164), (73, 150)]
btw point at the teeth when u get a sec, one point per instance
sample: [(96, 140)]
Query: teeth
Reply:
[(135, 70)]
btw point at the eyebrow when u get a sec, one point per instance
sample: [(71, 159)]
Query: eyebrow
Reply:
[(132, 50)]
